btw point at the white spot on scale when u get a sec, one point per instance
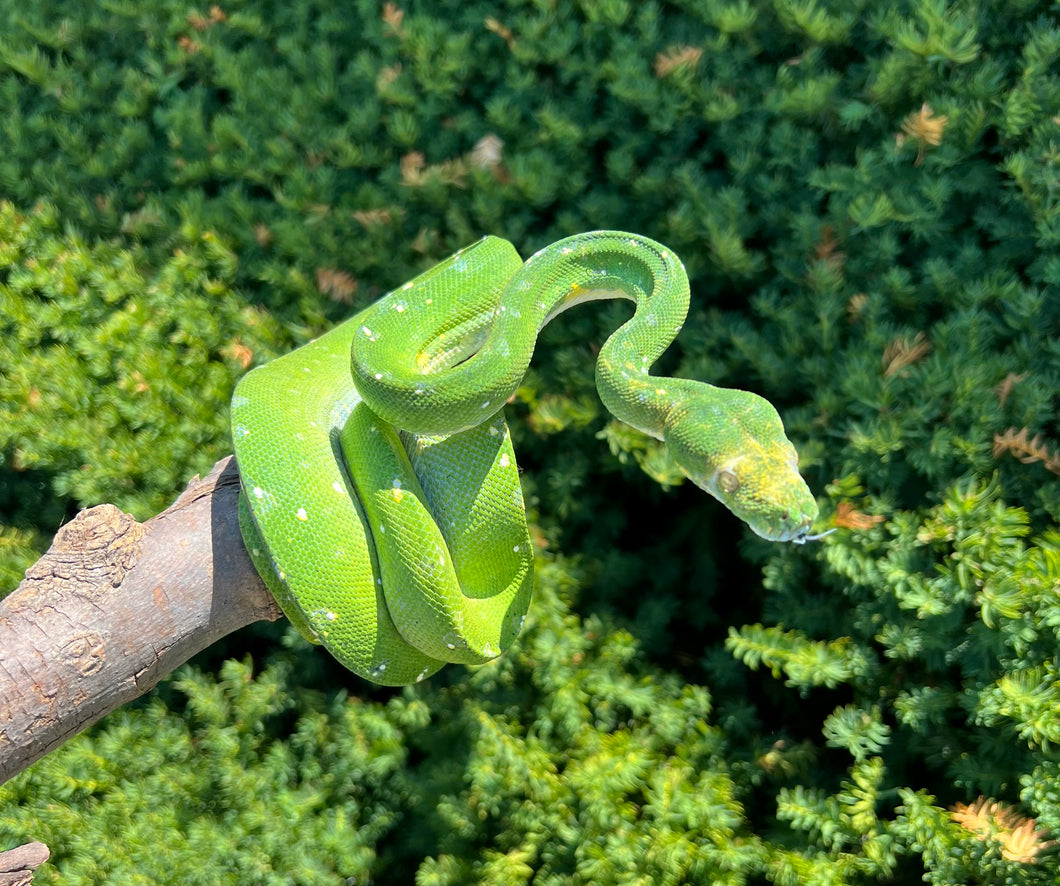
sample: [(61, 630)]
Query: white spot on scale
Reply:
[(259, 492), (505, 461), (422, 674), (378, 376), (377, 671), (450, 646), (419, 392), (515, 550), (400, 308), (338, 487), (302, 515), (486, 405), (494, 430)]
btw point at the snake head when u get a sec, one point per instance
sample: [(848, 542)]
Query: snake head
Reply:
[(732, 444)]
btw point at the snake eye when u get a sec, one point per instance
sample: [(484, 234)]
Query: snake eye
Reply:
[(728, 482)]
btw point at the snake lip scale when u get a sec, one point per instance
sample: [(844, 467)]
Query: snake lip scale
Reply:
[(380, 497)]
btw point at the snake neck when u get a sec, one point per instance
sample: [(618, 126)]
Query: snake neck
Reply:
[(607, 265), (463, 367)]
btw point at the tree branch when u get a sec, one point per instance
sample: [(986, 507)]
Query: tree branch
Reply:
[(114, 606), (17, 865)]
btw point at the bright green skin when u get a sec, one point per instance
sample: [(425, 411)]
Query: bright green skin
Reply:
[(403, 550)]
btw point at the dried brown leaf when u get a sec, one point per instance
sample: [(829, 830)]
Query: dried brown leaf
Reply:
[(412, 167), (925, 127), (393, 16), (240, 353), (338, 285), (387, 75), (856, 306), (1026, 449), (370, 218), (828, 250), (487, 152), (1020, 838), (675, 57), (847, 517), (201, 22), (502, 31), (1006, 385), (903, 351)]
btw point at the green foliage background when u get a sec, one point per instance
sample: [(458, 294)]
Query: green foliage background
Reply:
[(186, 189)]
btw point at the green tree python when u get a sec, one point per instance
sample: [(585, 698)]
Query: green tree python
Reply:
[(380, 495)]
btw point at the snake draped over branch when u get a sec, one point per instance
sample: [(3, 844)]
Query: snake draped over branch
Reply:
[(380, 494)]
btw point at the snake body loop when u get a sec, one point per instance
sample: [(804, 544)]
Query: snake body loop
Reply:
[(381, 500)]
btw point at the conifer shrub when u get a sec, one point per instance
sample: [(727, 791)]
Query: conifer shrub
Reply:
[(865, 196)]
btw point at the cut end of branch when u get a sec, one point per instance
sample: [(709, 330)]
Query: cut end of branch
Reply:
[(17, 865)]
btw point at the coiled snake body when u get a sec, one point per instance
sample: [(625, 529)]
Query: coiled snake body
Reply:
[(381, 500)]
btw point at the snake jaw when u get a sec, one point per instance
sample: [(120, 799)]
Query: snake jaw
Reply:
[(731, 444), (769, 495)]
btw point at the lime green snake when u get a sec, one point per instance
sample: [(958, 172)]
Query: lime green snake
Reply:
[(380, 497)]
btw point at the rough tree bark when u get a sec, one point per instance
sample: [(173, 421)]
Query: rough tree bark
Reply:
[(17, 865), (114, 606)]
